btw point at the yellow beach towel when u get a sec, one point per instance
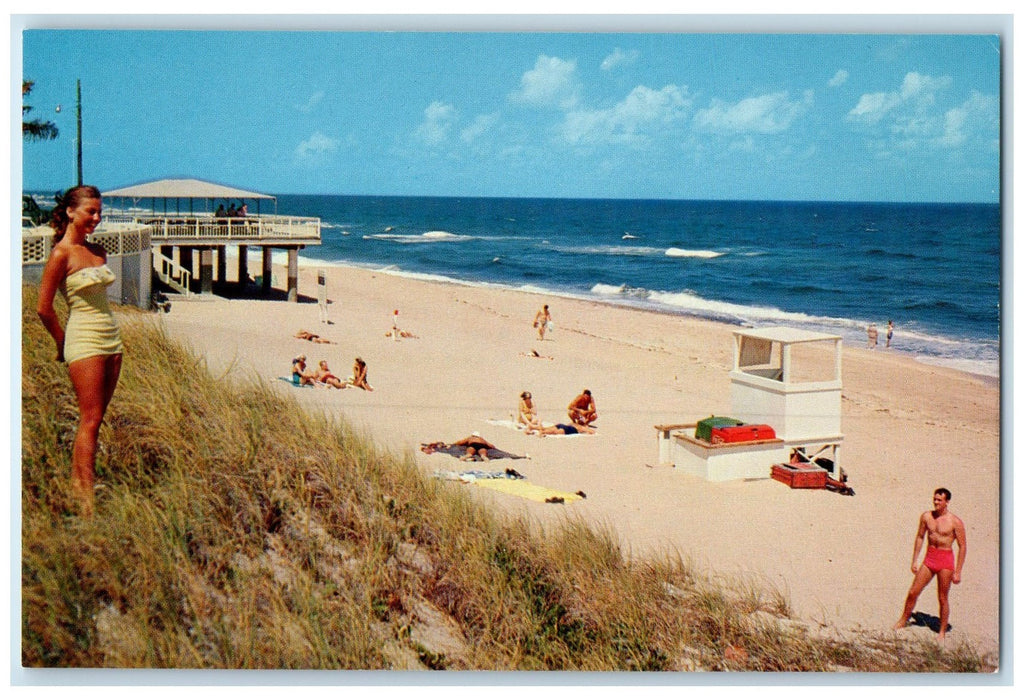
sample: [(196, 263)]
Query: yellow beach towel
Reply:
[(523, 488)]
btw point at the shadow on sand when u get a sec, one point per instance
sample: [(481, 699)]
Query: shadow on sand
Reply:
[(920, 619)]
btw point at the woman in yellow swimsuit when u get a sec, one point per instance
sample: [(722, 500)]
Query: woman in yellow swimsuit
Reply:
[(91, 342)]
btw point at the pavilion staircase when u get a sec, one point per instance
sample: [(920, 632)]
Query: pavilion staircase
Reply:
[(172, 274)]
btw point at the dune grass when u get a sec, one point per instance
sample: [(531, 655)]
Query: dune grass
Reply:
[(235, 530)]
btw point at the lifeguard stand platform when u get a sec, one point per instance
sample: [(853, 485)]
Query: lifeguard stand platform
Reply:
[(786, 378)]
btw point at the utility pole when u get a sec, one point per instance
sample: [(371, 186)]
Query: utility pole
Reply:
[(78, 141)]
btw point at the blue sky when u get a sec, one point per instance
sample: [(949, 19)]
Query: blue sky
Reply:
[(861, 117)]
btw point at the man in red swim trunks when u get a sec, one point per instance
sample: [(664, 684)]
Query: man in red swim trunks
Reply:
[(943, 529)]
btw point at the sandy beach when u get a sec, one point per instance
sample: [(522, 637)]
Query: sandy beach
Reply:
[(841, 561)]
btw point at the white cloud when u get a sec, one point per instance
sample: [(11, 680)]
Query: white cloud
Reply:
[(618, 57), (633, 120), (438, 120), (916, 93), (909, 118), (766, 114), (314, 99), (316, 145), (479, 127), (978, 115), (552, 82), (839, 78)]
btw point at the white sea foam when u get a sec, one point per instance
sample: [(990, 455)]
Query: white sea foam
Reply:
[(630, 250), (987, 368), (683, 253), (428, 237)]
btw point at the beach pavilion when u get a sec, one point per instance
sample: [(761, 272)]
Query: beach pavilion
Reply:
[(184, 226)]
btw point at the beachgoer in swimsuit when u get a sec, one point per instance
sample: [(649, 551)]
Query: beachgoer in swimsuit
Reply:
[(888, 334), (582, 409), (542, 321), (90, 344), (562, 429), (475, 446), (942, 529), (312, 337), (534, 353), (358, 377), (325, 376), (872, 336), (300, 376), (527, 415)]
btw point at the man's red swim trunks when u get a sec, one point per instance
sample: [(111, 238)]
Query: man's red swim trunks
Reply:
[(939, 559)]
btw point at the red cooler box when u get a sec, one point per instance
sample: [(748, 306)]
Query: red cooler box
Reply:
[(742, 433)]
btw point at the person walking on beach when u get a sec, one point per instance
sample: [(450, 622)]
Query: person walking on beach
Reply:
[(90, 344), (888, 334), (942, 529), (583, 409), (872, 336), (542, 321)]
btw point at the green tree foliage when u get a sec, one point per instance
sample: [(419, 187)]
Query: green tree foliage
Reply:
[(36, 129)]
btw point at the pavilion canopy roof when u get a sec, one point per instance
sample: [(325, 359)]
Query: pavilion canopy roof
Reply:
[(184, 188)]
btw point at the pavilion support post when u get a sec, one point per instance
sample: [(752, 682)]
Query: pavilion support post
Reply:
[(206, 270), (243, 266), (293, 274), (222, 264), (185, 259), (267, 267)]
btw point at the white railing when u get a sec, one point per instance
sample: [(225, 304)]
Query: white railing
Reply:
[(206, 226), (169, 269), (116, 239)]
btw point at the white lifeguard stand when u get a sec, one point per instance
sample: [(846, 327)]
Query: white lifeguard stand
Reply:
[(791, 379), (786, 378)]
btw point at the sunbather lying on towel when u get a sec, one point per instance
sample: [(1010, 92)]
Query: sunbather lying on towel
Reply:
[(561, 429), (311, 337), (469, 449)]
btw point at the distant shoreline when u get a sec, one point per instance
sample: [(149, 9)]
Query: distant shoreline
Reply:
[(989, 372)]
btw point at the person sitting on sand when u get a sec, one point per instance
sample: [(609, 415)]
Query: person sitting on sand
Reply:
[(358, 377), (475, 446), (325, 376), (300, 375), (527, 413), (561, 429), (312, 337), (582, 409)]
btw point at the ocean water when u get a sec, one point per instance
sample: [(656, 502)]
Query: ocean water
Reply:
[(934, 269)]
